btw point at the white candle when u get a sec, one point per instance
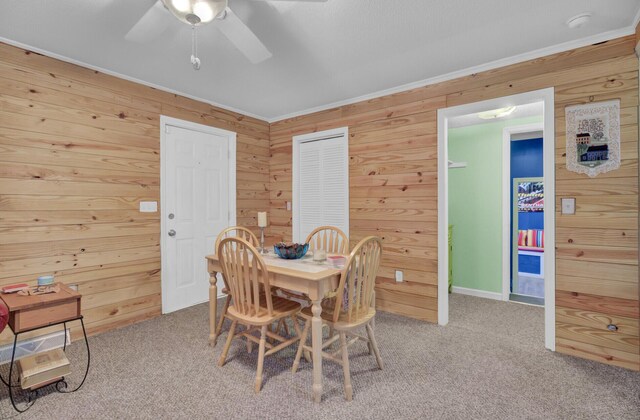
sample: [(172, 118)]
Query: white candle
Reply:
[(262, 219)]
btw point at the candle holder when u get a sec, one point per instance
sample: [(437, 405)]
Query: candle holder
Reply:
[(263, 250)]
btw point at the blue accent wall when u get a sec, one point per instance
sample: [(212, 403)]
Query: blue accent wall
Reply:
[(526, 162), (526, 158)]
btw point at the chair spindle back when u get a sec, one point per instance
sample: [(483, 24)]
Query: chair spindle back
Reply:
[(237, 232), (358, 279), (244, 270), (330, 239)]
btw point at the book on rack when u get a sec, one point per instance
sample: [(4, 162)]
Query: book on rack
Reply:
[(12, 288), (43, 368)]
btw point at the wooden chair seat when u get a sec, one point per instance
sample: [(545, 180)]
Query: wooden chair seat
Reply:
[(342, 324), (254, 306), (234, 231), (282, 308), (352, 307), (329, 239)]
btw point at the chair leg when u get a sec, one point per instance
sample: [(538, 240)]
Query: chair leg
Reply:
[(222, 316), (286, 327), (373, 320), (332, 332), (282, 324), (249, 342), (348, 390), (263, 342), (374, 345), (303, 341), (225, 351), (296, 326), (373, 326)]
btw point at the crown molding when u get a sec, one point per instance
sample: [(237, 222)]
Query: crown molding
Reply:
[(129, 78), (503, 62), (636, 20)]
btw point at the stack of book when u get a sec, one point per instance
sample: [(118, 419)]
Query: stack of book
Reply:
[(43, 368)]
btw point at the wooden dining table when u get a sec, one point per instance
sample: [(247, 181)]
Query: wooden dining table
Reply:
[(303, 276)]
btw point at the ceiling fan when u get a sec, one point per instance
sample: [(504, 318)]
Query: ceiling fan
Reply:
[(196, 13)]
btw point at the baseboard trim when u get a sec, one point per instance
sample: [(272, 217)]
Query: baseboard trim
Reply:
[(477, 293)]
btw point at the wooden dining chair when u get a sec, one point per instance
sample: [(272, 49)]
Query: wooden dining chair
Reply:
[(253, 305), (328, 238), (239, 232), (352, 308)]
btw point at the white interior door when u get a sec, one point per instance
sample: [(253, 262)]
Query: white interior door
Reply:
[(196, 208)]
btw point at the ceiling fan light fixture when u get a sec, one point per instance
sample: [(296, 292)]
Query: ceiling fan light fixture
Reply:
[(188, 10), (183, 6), (204, 11), (578, 21)]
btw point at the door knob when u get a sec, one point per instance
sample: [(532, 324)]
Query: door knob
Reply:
[(172, 232)]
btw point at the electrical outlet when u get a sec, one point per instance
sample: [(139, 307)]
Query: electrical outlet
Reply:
[(73, 287), (399, 276)]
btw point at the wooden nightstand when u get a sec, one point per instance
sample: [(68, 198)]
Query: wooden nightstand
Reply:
[(30, 313)]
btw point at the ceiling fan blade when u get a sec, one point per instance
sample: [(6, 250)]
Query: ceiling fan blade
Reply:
[(151, 25), (243, 38)]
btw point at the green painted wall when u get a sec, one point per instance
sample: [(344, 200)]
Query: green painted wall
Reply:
[(475, 204)]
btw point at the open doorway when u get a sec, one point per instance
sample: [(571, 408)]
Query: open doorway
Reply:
[(523, 211), (476, 171)]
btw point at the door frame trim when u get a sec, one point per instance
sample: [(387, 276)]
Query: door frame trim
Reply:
[(165, 122), (444, 114), (507, 133)]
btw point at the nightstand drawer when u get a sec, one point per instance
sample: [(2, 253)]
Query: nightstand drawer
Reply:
[(44, 315)]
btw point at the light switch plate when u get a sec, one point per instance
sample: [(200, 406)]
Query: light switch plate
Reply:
[(289, 205), (148, 206), (568, 205), (399, 276)]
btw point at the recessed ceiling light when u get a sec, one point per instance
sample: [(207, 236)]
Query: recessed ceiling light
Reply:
[(496, 113), (579, 21)]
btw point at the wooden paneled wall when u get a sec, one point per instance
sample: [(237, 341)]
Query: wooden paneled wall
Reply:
[(78, 150), (393, 152)]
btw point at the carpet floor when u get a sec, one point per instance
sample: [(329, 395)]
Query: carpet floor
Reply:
[(488, 363)]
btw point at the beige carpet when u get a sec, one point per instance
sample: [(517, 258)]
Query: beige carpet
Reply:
[(488, 363)]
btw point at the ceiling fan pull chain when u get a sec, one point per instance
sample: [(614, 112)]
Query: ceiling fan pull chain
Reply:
[(194, 49)]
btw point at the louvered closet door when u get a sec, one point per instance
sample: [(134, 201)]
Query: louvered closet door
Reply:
[(323, 185)]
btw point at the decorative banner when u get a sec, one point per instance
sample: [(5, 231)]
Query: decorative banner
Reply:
[(530, 196), (593, 137)]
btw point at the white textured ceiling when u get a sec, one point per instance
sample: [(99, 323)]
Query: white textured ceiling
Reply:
[(323, 53)]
